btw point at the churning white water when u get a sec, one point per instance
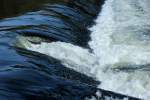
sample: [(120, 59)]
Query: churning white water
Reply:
[(121, 48), (121, 40)]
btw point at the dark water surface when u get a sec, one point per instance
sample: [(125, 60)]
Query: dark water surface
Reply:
[(27, 75), (9, 8)]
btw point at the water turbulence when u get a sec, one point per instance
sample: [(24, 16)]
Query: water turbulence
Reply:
[(120, 40), (120, 44), (50, 55), (28, 75)]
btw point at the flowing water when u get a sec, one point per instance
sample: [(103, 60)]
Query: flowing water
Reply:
[(28, 75), (120, 55), (117, 55), (120, 40)]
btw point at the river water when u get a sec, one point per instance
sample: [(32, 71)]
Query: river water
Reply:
[(120, 49), (114, 51), (28, 75)]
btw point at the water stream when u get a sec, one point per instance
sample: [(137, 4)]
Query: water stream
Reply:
[(120, 48)]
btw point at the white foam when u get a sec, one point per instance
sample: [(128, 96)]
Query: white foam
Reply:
[(71, 56), (120, 40)]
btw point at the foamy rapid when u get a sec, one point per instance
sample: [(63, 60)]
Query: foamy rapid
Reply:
[(71, 56), (121, 41), (121, 49)]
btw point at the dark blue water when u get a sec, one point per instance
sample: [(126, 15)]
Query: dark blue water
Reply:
[(27, 75)]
